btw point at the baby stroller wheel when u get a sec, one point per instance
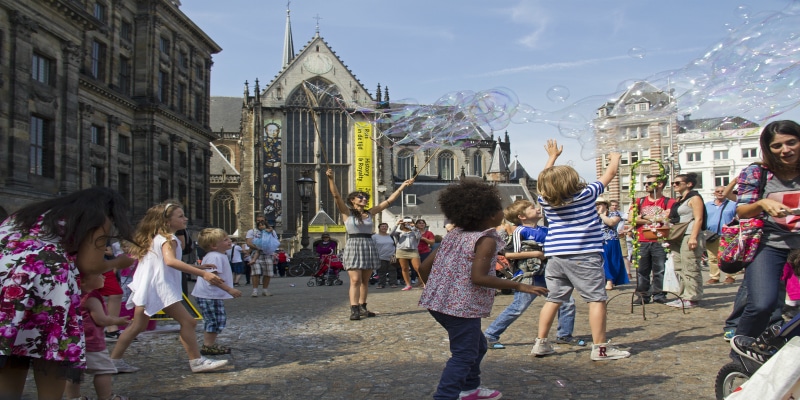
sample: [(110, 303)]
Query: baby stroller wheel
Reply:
[(311, 282), (337, 282), (730, 376)]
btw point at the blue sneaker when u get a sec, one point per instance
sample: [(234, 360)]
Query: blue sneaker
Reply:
[(729, 334)]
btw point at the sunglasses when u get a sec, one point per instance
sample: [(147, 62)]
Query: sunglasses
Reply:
[(676, 183), (362, 197), (649, 183)]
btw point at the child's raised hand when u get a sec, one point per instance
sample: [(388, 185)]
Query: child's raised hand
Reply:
[(537, 290), (552, 148), (329, 173), (614, 156)]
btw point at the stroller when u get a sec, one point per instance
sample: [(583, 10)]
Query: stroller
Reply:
[(735, 373), (328, 272)]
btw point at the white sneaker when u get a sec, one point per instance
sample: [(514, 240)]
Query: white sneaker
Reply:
[(266, 293), (542, 347), (255, 293), (123, 367), (606, 351), (203, 364)]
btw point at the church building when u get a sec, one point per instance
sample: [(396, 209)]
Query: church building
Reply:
[(316, 114)]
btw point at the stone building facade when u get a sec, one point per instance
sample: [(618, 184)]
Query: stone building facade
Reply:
[(104, 93)]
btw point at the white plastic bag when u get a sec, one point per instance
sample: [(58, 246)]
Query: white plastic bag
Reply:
[(777, 379), (671, 282)]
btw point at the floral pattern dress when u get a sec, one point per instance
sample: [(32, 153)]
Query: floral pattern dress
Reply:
[(39, 298)]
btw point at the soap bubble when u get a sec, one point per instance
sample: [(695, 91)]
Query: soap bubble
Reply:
[(558, 94), (637, 52)]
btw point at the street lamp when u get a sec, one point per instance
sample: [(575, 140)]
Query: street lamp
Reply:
[(305, 186)]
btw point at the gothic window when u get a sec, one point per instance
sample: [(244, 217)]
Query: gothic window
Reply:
[(223, 211), (225, 151), (405, 164), (447, 166), (477, 164)]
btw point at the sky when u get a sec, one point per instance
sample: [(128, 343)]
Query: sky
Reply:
[(554, 55)]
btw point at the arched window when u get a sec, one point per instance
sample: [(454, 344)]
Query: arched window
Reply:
[(447, 166), (477, 164), (225, 151), (405, 164), (223, 211)]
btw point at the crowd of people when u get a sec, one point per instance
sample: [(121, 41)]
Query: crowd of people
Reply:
[(61, 259)]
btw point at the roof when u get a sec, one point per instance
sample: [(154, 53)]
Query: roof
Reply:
[(427, 196), (642, 92), (714, 124), (499, 163), (225, 114), (516, 171), (322, 218), (218, 163)]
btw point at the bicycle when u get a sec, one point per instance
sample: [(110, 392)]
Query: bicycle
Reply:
[(302, 268)]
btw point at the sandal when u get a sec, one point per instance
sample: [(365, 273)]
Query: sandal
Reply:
[(214, 350)]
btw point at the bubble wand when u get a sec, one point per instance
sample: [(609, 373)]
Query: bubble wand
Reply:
[(312, 104)]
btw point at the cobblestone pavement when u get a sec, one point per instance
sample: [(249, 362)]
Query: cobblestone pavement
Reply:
[(299, 344)]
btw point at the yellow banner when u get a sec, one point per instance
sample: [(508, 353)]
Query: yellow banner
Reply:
[(325, 228), (363, 159)]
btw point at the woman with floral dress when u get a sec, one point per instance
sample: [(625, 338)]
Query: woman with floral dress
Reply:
[(43, 248)]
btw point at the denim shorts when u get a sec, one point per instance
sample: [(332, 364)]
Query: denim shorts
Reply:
[(583, 272)]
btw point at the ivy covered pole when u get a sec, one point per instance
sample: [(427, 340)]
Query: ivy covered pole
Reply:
[(662, 176)]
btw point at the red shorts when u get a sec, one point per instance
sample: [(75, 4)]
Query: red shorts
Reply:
[(111, 287)]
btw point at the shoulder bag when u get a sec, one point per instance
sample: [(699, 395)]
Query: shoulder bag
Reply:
[(739, 241)]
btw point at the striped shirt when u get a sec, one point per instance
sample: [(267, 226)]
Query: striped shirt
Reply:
[(575, 227)]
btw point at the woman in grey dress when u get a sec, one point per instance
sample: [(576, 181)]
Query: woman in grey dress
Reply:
[(360, 254)]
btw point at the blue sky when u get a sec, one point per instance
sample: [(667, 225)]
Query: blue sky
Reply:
[(423, 50)]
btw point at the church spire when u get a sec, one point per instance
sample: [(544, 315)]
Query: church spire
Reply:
[(288, 43)]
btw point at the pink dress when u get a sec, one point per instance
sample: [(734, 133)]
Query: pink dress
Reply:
[(792, 283), (40, 304), (449, 289)]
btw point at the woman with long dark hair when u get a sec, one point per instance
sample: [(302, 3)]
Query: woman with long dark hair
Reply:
[(780, 152), (360, 253), (43, 249)]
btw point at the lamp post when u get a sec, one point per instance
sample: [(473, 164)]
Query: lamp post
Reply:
[(305, 186)]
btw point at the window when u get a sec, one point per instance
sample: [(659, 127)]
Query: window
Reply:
[(164, 188), (163, 152), (411, 199), (182, 159), (125, 80), (181, 100), (126, 30), (183, 60), (162, 93), (41, 69), (642, 107), (182, 194), (693, 156), (721, 179), (477, 164), (124, 186), (625, 182), (41, 148), (405, 164), (664, 129), (634, 156), (199, 207), (124, 144), (749, 153), (223, 211), (699, 181), (198, 71), (446, 166), (163, 45), (198, 165), (98, 66), (97, 175), (198, 107), (97, 135), (225, 151), (720, 154), (100, 12)]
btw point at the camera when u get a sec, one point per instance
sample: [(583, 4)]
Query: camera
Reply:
[(407, 220)]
